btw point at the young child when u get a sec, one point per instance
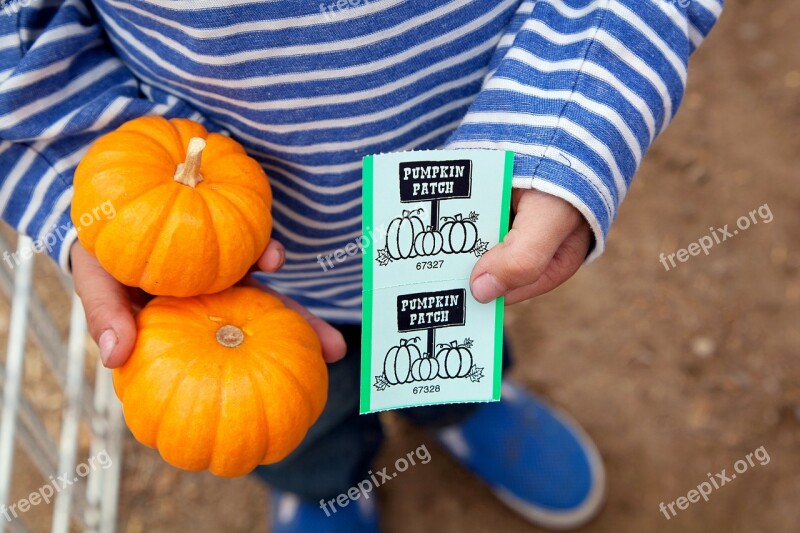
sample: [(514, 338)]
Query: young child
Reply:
[(578, 89)]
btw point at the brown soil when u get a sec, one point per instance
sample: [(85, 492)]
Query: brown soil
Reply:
[(675, 373)]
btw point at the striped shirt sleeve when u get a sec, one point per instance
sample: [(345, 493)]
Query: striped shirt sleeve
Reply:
[(580, 89), (61, 86)]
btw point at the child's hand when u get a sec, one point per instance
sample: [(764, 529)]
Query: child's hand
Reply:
[(110, 305), (546, 245)]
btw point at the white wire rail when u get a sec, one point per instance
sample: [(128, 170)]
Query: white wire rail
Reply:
[(97, 408)]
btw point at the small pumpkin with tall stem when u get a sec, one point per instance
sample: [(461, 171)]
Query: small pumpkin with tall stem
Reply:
[(192, 209)]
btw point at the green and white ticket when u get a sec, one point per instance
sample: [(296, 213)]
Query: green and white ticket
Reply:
[(431, 215)]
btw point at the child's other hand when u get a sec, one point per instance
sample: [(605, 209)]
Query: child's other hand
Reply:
[(110, 305), (546, 245)]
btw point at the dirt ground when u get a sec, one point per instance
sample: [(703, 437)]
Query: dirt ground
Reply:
[(675, 374)]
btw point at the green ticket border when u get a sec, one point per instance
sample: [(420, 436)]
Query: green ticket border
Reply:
[(366, 305), (366, 309)]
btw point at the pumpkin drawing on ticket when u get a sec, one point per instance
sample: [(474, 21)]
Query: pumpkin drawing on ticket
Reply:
[(408, 362), (426, 232)]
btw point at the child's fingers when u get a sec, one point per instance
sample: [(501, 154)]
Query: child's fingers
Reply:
[(566, 261), (107, 305), (273, 257), (542, 222), (333, 344)]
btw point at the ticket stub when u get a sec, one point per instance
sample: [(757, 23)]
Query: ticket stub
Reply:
[(432, 215)]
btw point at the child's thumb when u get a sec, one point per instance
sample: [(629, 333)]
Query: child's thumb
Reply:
[(542, 222), (516, 262), (107, 305)]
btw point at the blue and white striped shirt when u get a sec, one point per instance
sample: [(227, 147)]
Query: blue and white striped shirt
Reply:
[(578, 89)]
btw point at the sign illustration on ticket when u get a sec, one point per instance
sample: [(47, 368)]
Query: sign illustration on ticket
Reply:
[(426, 340)]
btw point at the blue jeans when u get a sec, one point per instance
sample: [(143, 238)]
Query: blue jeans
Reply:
[(340, 447)]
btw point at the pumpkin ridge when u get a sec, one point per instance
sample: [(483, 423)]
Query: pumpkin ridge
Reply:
[(286, 345), (309, 419), (159, 130), (237, 452), (175, 307), (144, 245), (181, 343), (304, 393), (169, 327), (179, 134), (202, 304), (142, 135), (134, 367), (101, 224), (103, 227), (266, 428), (160, 239), (232, 188), (262, 384), (177, 382), (231, 168), (251, 229), (113, 158), (282, 315), (260, 306), (153, 175), (253, 218), (191, 326), (215, 194), (158, 417), (222, 145), (220, 402), (210, 219), (180, 141), (151, 236), (224, 190)]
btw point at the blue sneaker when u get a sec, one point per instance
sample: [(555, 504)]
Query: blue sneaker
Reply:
[(291, 514), (537, 460)]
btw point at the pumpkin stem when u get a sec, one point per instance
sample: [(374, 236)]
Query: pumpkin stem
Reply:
[(230, 336), (188, 173)]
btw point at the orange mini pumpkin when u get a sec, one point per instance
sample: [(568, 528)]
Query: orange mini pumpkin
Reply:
[(192, 208), (222, 382)]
